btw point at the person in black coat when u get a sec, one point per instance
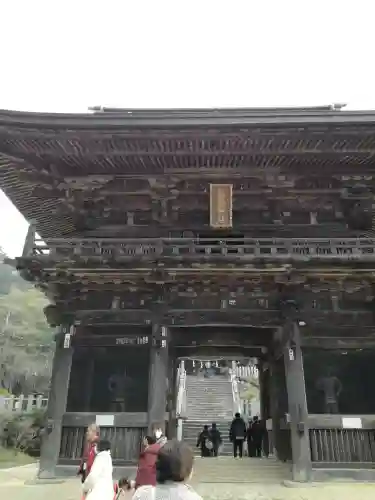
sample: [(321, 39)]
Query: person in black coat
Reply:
[(250, 442), (237, 434), (257, 432), (203, 439), (215, 437)]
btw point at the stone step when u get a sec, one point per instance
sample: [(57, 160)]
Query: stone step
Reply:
[(246, 470), (227, 388), (220, 415), (204, 385), (209, 398), (210, 392), (217, 398)]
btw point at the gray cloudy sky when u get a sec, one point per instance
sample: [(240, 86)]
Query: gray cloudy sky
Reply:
[(67, 55)]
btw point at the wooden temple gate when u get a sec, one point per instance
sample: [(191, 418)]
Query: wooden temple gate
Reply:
[(166, 232)]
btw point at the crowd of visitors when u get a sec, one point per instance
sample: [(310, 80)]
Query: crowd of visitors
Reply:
[(254, 434), (164, 466)]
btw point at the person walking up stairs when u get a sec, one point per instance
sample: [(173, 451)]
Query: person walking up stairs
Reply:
[(237, 435)]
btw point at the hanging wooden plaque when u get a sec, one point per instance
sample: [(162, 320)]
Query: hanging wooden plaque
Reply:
[(221, 205)]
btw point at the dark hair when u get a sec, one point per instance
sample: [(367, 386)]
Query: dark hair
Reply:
[(150, 439), (213, 425), (174, 462), (237, 415), (104, 445), (156, 426), (124, 483), (205, 427)]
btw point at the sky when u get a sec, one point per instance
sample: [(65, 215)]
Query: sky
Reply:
[(64, 56)]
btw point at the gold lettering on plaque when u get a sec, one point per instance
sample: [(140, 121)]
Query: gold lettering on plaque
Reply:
[(221, 205)]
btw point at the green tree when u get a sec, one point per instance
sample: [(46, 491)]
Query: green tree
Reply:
[(9, 277), (26, 340), (250, 389)]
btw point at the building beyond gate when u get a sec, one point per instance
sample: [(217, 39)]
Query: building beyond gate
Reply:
[(171, 233)]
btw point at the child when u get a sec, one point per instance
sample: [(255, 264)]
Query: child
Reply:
[(124, 489)]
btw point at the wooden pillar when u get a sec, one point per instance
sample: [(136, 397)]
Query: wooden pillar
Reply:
[(297, 404), (172, 396), (56, 408), (158, 378), (89, 376), (264, 395), (277, 380)]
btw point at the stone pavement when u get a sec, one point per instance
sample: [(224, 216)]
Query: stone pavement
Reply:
[(12, 485)]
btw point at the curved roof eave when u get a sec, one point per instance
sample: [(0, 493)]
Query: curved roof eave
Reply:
[(135, 118)]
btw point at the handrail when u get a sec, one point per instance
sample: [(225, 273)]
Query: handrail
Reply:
[(181, 391), (235, 391), (222, 241), (196, 248), (22, 403)]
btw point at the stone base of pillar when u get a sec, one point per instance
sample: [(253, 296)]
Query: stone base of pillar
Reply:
[(45, 476), (40, 481)]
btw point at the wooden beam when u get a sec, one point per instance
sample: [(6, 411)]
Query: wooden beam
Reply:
[(125, 419), (28, 247), (341, 343), (236, 352)]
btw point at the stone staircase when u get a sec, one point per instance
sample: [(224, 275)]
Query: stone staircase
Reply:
[(208, 400), (246, 470)]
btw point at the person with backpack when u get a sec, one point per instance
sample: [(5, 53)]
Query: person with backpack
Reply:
[(215, 438), (204, 442)]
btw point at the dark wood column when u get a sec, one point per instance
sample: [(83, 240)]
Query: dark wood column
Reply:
[(264, 395), (172, 395), (57, 400), (297, 404), (158, 381), (278, 409), (89, 376)]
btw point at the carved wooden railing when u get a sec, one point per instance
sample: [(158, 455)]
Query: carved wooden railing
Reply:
[(246, 249), (126, 443), (342, 446)]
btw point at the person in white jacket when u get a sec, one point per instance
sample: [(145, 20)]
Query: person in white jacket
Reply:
[(99, 483)]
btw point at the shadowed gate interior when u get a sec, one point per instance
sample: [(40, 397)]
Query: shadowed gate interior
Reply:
[(110, 375)]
